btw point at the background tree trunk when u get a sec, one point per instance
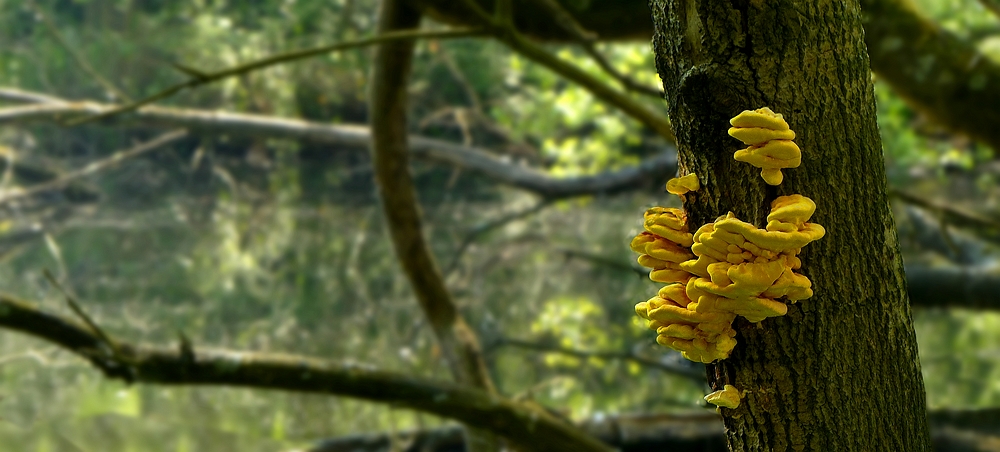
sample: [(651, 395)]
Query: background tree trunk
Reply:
[(840, 371)]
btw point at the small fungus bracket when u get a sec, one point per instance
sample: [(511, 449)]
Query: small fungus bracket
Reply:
[(683, 184), (727, 397)]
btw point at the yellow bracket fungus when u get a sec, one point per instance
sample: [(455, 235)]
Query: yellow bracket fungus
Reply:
[(728, 397), (727, 268), (684, 184), (770, 143)]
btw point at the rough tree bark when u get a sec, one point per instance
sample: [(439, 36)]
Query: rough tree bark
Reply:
[(840, 371)]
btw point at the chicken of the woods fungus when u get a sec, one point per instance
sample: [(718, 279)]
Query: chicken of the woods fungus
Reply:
[(728, 268)]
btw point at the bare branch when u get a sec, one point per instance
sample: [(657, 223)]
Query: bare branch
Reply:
[(28, 97), (929, 233), (586, 40), (488, 226), (92, 168), (968, 287), (966, 94), (201, 78), (506, 33), (390, 159), (77, 57), (703, 431), (388, 99), (949, 211), (651, 171), (179, 366), (700, 430), (695, 372)]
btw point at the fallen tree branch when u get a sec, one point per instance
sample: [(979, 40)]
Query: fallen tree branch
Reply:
[(61, 182), (190, 366), (951, 213), (690, 431), (967, 287), (651, 171), (201, 78), (929, 233), (703, 431)]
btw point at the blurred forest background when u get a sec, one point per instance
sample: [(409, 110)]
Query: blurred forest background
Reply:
[(247, 238)]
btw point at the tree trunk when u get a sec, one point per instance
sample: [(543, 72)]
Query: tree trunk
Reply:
[(840, 370)]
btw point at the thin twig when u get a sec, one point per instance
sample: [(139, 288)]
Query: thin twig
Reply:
[(93, 167), (586, 40), (695, 373), (199, 78), (602, 260), (77, 57), (488, 226), (73, 305), (506, 33)]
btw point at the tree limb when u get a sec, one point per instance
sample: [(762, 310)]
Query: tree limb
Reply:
[(968, 287), (201, 78), (176, 366), (936, 72), (506, 33), (651, 171), (952, 430), (689, 431), (950, 212), (62, 181), (585, 39), (390, 159)]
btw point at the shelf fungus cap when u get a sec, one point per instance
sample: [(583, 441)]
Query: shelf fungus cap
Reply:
[(762, 117), (659, 248), (771, 157), (669, 223), (683, 184), (756, 135), (728, 397), (773, 240), (791, 209)]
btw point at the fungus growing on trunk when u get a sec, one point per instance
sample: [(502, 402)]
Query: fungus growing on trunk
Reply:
[(684, 184), (770, 143), (728, 397), (727, 268)]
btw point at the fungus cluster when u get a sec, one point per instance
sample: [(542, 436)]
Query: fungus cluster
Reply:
[(770, 143), (727, 268)]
